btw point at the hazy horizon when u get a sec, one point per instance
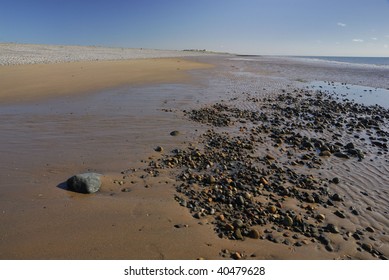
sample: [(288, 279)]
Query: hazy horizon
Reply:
[(253, 27)]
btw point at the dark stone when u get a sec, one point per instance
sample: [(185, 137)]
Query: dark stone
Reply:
[(174, 133), (335, 180), (341, 155), (340, 214), (324, 240), (84, 183)]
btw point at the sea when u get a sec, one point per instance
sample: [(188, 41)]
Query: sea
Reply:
[(377, 61)]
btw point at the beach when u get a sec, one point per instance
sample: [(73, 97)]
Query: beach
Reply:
[(263, 163)]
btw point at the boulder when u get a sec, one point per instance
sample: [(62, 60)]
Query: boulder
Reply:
[(84, 183)]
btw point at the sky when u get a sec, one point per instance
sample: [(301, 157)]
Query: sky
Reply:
[(264, 27)]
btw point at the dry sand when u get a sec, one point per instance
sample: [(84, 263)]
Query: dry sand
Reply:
[(32, 81), (114, 132)]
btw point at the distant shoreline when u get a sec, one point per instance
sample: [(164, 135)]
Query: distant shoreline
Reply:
[(16, 54)]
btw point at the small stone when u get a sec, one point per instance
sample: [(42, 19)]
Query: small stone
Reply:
[(174, 133), (288, 221), (332, 228), (180, 226), (320, 217), (272, 209), (238, 223), (158, 149), (229, 227), (310, 199), (238, 234), (264, 181), (370, 229), (341, 155), (355, 212), (340, 214), (254, 234), (125, 190), (270, 157), (325, 154), (367, 247), (356, 236), (335, 180), (329, 248), (220, 217), (324, 240), (336, 197), (236, 256)]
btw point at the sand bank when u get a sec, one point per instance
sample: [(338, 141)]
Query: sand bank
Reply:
[(29, 82)]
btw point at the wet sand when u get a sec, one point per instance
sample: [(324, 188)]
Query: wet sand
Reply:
[(115, 132)]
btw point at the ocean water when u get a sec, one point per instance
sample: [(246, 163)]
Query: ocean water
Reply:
[(377, 61), (360, 94)]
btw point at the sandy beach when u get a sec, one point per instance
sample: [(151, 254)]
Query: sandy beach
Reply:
[(246, 176)]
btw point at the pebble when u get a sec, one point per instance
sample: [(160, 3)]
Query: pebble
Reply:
[(254, 234), (238, 223), (320, 217), (325, 154), (332, 228), (335, 180), (329, 248), (324, 239), (158, 149), (288, 221), (367, 247), (236, 256), (238, 234), (174, 133), (340, 214), (370, 229), (272, 209)]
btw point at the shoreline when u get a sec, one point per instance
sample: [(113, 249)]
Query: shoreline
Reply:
[(138, 214)]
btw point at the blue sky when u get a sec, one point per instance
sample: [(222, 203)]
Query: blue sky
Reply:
[(275, 27)]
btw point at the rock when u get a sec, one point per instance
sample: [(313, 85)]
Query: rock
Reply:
[(180, 226), (370, 229), (236, 256), (329, 248), (324, 240), (367, 247), (341, 155), (340, 214), (355, 212), (238, 223), (288, 221), (125, 190), (332, 228), (254, 234), (158, 149), (272, 209), (270, 157), (174, 133), (325, 154), (335, 180), (350, 146), (336, 197), (84, 183), (238, 234), (320, 217)]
